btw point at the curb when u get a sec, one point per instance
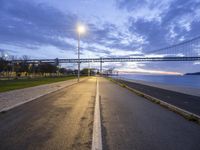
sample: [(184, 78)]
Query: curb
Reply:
[(29, 100), (184, 113)]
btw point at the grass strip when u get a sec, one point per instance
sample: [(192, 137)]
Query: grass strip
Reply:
[(8, 85)]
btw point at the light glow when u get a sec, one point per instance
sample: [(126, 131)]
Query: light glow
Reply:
[(143, 71), (81, 29)]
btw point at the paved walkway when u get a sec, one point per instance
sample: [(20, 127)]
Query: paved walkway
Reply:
[(14, 98), (61, 120)]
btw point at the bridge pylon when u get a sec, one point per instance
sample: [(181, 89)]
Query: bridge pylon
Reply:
[(101, 65)]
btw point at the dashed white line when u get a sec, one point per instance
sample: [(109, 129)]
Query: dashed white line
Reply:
[(97, 137)]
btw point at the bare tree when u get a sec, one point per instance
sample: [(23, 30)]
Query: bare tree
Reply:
[(25, 58)]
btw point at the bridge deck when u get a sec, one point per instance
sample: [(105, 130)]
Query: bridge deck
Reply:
[(117, 59)]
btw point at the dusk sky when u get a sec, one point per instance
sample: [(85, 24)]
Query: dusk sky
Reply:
[(115, 28)]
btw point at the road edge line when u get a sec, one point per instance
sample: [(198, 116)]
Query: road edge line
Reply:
[(97, 136), (184, 113)]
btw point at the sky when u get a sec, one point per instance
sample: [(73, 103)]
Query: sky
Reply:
[(114, 28)]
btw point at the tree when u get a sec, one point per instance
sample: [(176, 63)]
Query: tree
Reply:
[(47, 68), (63, 70), (85, 71), (3, 62), (24, 66)]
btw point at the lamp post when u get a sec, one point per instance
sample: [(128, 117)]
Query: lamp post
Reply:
[(89, 71), (80, 30)]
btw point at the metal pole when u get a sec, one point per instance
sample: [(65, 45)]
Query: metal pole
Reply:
[(101, 65), (78, 56), (89, 69), (13, 69)]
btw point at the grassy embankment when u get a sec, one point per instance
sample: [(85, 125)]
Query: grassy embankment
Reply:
[(8, 85)]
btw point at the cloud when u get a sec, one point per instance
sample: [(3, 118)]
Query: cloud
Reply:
[(152, 32), (172, 22), (33, 25), (149, 10), (27, 23), (131, 29)]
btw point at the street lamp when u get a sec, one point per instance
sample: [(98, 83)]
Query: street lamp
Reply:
[(89, 71), (80, 30)]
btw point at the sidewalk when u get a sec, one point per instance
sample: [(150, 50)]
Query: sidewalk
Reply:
[(15, 98)]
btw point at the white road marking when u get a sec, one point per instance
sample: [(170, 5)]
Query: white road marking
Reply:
[(97, 137)]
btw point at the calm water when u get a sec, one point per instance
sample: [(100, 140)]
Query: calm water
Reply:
[(189, 80)]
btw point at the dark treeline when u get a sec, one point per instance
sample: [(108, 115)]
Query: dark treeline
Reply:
[(24, 69)]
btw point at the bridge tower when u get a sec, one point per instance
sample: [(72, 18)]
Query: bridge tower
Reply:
[(56, 62), (101, 63)]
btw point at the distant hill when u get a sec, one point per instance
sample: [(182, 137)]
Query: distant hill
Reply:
[(195, 73)]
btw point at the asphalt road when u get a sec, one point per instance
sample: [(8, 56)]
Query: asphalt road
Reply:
[(63, 120), (130, 122), (187, 102), (58, 121)]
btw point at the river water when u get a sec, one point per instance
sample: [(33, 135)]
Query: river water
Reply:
[(178, 80)]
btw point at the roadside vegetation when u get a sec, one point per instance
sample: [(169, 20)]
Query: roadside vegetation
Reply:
[(23, 74), (7, 85)]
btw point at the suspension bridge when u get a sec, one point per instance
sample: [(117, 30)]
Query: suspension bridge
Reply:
[(185, 51)]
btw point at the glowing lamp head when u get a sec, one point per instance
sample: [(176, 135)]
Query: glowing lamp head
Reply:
[(80, 29)]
